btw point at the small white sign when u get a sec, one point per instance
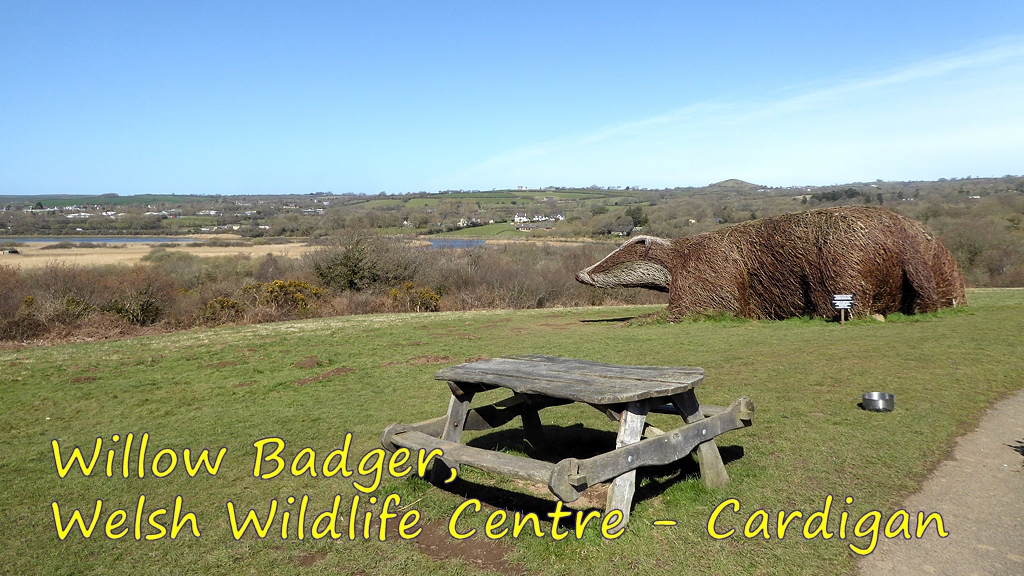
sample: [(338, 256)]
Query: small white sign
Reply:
[(842, 301)]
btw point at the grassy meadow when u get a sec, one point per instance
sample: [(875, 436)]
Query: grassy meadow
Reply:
[(498, 229), (311, 382)]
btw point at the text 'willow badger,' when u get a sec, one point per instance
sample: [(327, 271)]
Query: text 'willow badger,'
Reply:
[(792, 265)]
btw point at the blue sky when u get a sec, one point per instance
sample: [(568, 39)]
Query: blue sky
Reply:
[(298, 97)]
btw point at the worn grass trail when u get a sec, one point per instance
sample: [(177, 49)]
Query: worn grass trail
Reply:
[(311, 382)]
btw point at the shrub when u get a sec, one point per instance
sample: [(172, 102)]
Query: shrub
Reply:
[(13, 292), (360, 260), (222, 308), (294, 294), (139, 295), (409, 298), (223, 243), (22, 327), (58, 246)]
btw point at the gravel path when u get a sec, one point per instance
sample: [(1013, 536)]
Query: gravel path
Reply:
[(980, 494)]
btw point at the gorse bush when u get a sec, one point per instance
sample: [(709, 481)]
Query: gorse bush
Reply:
[(224, 308), (294, 294), (409, 298)]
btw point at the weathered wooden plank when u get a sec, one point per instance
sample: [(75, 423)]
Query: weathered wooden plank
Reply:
[(528, 365), (489, 460), (487, 417), (656, 373), (571, 476), (455, 423), (619, 370), (631, 427), (503, 412), (433, 427), (460, 388), (560, 378), (670, 408), (652, 431), (712, 469), (458, 408)]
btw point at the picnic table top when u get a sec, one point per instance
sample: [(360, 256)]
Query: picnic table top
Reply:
[(576, 380)]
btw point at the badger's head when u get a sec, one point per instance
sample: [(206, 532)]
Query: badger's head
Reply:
[(639, 263)]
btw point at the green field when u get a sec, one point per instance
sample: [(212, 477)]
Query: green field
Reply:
[(429, 201), (498, 229), (567, 194), (311, 382), (381, 203)]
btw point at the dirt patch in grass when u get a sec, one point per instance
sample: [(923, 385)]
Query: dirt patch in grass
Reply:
[(307, 362), (223, 364), (459, 335), (476, 358), (77, 367), (430, 359), (480, 553), (324, 376), (307, 560), (82, 379), (496, 324), (592, 498)]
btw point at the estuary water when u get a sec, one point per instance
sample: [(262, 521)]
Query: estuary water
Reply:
[(455, 243)]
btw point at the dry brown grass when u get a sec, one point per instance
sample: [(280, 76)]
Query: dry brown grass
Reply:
[(33, 256)]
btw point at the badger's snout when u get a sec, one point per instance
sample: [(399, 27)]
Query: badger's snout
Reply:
[(632, 265), (636, 274)]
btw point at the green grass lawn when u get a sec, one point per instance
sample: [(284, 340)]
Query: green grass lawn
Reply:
[(231, 386), (423, 201), (381, 202)]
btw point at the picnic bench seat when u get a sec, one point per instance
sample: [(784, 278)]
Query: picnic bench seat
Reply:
[(625, 393)]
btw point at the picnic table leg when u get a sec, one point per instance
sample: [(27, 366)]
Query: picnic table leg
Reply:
[(458, 409), (532, 430), (530, 416), (631, 427), (712, 469)]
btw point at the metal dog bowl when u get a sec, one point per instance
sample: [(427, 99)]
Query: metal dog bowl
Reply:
[(878, 401)]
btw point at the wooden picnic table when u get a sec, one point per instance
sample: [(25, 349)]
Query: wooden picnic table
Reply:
[(625, 393)]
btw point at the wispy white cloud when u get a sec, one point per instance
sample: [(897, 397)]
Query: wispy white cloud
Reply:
[(954, 115)]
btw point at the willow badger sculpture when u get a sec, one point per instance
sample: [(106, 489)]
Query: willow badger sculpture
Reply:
[(792, 265)]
